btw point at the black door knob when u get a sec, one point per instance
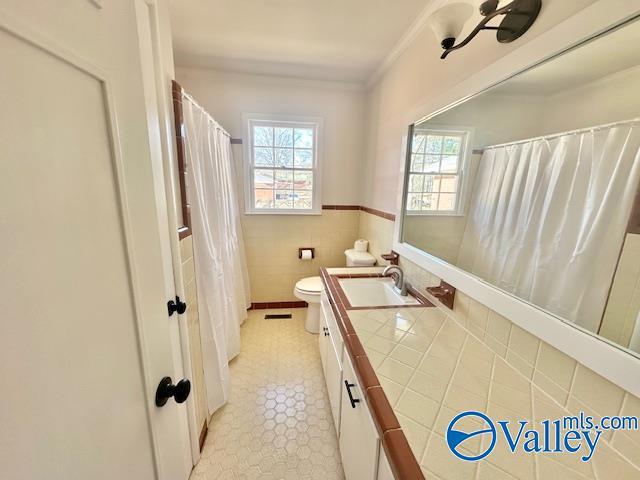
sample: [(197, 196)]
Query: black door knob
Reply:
[(166, 389)]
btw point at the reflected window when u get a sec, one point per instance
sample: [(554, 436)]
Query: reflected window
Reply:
[(435, 171)]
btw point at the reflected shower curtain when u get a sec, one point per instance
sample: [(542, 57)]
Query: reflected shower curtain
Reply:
[(548, 217), (220, 265)]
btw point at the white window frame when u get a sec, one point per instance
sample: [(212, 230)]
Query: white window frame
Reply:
[(316, 123), (465, 159)]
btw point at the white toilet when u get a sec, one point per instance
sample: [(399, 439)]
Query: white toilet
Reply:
[(310, 288)]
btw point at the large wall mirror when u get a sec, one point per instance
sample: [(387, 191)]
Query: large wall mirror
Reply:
[(532, 186)]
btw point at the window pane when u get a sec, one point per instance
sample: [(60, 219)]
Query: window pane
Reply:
[(304, 158), (263, 136), (429, 201), (262, 178), (284, 179), (449, 163), (418, 143), (414, 201), (449, 183), (447, 202), (431, 183), (303, 138), (303, 180), (302, 199), (263, 157), (284, 157), (284, 137), (452, 145), (284, 199), (416, 183), (417, 162), (434, 144), (432, 163), (263, 198)]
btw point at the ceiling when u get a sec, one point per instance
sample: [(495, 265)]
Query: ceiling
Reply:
[(340, 40), (611, 53)]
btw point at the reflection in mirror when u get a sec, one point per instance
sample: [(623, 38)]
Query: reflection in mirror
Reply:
[(532, 186)]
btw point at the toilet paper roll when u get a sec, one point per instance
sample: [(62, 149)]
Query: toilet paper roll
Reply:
[(361, 245), (306, 255)]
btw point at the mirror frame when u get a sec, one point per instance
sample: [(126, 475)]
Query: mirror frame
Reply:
[(619, 365)]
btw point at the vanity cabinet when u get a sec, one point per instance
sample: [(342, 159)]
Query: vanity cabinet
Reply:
[(330, 345), (384, 469), (359, 440), (358, 436)]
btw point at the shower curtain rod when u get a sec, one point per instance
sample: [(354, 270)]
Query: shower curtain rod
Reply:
[(218, 126), (561, 134)]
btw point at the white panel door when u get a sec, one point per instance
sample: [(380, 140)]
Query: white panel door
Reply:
[(84, 333)]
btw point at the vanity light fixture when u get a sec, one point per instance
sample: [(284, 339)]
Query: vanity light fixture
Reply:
[(518, 16)]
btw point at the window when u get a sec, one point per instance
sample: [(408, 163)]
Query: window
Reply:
[(282, 174), (435, 172)]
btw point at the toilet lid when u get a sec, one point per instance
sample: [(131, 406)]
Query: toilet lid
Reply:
[(310, 284)]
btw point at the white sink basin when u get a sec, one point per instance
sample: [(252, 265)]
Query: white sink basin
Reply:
[(373, 292)]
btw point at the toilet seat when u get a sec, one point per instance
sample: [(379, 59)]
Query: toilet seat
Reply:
[(310, 286)]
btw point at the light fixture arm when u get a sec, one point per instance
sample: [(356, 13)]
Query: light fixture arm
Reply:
[(510, 28)]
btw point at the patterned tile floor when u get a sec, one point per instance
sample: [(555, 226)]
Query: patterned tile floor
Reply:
[(277, 424)]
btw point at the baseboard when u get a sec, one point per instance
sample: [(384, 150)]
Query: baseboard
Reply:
[(266, 305)]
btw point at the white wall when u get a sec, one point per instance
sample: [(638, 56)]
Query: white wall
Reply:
[(342, 105)]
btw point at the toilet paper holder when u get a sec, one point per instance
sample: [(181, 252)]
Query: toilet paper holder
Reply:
[(313, 251)]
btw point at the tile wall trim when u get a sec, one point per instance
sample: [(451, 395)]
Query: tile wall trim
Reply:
[(379, 213), (268, 305), (372, 211), (176, 95), (341, 207)]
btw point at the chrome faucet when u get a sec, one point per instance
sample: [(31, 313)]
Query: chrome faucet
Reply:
[(398, 277)]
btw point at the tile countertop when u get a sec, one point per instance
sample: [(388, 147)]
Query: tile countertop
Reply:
[(430, 368)]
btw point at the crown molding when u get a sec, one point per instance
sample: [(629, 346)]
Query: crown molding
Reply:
[(401, 45)]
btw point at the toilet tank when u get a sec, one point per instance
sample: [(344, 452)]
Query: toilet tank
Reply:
[(359, 259)]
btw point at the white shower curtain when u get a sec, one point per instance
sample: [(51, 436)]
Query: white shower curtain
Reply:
[(220, 265), (548, 217)]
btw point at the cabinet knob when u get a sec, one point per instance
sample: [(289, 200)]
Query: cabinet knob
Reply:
[(326, 331), (351, 399)]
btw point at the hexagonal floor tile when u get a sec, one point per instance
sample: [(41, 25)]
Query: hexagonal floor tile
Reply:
[(278, 421)]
